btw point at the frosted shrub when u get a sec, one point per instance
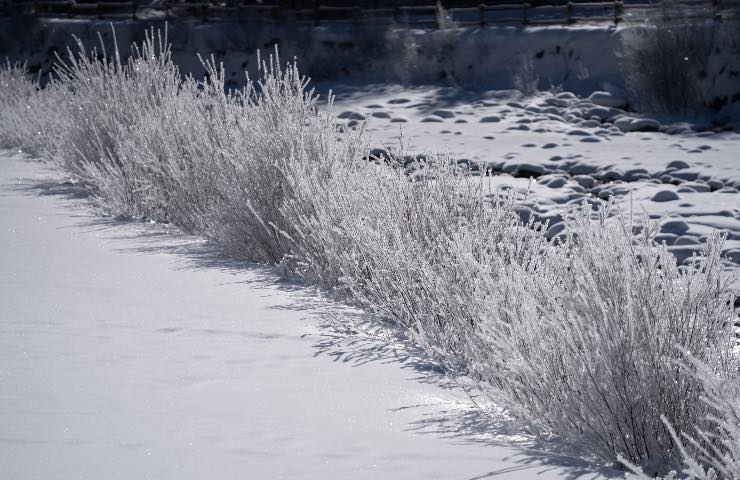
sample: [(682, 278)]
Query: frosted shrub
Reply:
[(270, 169), (662, 65), (21, 101), (523, 76), (390, 242), (712, 451), (18, 89), (580, 334), (153, 145), (675, 63), (103, 101), (587, 344)]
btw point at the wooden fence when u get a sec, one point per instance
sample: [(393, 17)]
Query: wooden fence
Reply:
[(522, 13)]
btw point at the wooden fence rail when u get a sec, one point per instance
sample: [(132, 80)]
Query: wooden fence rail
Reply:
[(526, 14)]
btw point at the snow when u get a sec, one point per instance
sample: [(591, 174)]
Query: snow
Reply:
[(632, 124), (606, 99), (575, 149), (132, 351)]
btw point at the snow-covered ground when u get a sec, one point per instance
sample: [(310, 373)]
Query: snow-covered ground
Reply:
[(129, 351), (576, 148)]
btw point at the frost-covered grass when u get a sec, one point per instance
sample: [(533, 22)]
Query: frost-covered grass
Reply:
[(583, 334)]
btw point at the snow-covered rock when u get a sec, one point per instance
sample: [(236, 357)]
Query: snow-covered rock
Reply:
[(566, 96), (591, 123), (684, 252), (634, 174), (582, 168), (606, 99), (676, 227), (611, 175), (557, 182), (444, 113), (634, 124), (602, 112), (677, 164), (667, 238), (380, 114), (586, 181), (351, 115), (432, 119), (555, 230), (523, 169), (687, 175), (686, 240), (697, 186), (665, 196)]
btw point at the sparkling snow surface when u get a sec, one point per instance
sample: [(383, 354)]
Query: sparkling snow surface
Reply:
[(129, 352), (576, 149)]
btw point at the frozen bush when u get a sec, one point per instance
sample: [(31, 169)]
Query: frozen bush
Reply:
[(586, 344), (392, 244), (663, 65), (103, 100), (29, 115), (18, 89), (677, 62), (710, 451), (153, 145), (523, 76)]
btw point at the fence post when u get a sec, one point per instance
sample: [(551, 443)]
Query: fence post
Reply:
[(525, 7), (617, 11), (569, 12), (316, 13), (482, 14)]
